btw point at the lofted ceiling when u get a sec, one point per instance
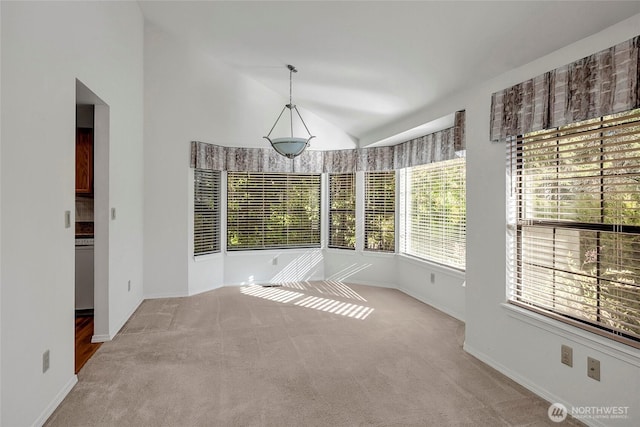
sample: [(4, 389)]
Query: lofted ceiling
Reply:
[(363, 65)]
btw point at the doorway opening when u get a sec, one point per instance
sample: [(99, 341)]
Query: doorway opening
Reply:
[(91, 224)]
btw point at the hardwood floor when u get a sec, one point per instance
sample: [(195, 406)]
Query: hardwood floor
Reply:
[(84, 348)]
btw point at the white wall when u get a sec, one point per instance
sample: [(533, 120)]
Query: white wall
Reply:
[(249, 267), (446, 292), (0, 218), (45, 47), (525, 347), (361, 267), (190, 96), (530, 351)]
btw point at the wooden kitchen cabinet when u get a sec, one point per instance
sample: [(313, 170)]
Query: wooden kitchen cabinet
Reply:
[(84, 161)]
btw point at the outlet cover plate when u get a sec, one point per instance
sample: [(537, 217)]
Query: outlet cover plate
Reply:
[(593, 368), (45, 361)]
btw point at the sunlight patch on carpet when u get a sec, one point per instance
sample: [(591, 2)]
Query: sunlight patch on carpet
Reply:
[(272, 294), (336, 307), (277, 294)]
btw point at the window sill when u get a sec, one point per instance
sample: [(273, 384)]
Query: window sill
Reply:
[(270, 252), (452, 272), (612, 348), (341, 251), (375, 254), (207, 257)]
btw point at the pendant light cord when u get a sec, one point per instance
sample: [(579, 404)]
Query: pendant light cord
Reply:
[(290, 99), (290, 86)]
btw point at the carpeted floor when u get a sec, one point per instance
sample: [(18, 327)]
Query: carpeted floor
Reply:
[(304, 354)]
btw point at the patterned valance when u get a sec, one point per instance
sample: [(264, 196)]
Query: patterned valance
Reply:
[(604, 83), (430, 148)]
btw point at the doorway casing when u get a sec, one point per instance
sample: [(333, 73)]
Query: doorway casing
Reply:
[(84, 95)]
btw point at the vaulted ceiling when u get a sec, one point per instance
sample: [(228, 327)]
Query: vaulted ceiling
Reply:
[(363, 65)]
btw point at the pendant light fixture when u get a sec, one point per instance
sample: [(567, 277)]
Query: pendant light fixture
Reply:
[(290, 146)]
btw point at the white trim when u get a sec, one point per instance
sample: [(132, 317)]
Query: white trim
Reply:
[(267, 282), (441, 268), (377, 254), (166, 295), (100, 338), (126, 318), (386, 285), (56, 401), (341, 251), (274, 251), (207, 257), (526, 383), (596, 342), (446, 311)]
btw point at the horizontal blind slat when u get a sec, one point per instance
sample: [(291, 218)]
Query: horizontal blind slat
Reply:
[(206, 229), (575, 209), (434, 212), (272, 210)]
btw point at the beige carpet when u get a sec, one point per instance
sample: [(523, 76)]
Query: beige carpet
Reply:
[(305, 354)]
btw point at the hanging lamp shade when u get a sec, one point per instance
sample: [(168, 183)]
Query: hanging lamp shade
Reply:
[(290, 146)]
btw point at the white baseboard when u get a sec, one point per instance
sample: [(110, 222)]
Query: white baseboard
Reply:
[(110, 336), (55, 402), (100, 338), (430, 303), (126, 318), (370, 283), (266, 282), (167, 295), (527, 383)]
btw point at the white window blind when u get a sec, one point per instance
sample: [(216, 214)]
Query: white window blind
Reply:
[(272, 210), (206, 221), (433, 212), (575, 224), (379, 211), (342, 210)]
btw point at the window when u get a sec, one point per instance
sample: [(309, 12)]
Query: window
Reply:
[(342, 211), (575, 224), (206, 212), (272, 210), (379, 211), (433, 212)]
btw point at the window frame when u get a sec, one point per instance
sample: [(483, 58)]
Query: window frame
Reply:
[(207, 190), (521, 256), (376, 208), (271, 200), (429, 229), (349, 200)]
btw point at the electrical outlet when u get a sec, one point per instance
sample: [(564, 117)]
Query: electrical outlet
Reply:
[(67, 219), (274, 261), (113, 213), (45, 361), (566, 355), (593, 368), (129, 286), (433, 278)]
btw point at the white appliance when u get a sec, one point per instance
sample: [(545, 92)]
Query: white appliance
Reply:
[(84, 274)]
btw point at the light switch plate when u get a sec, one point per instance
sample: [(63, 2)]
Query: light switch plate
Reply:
[(67, 219), (566, 355)]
